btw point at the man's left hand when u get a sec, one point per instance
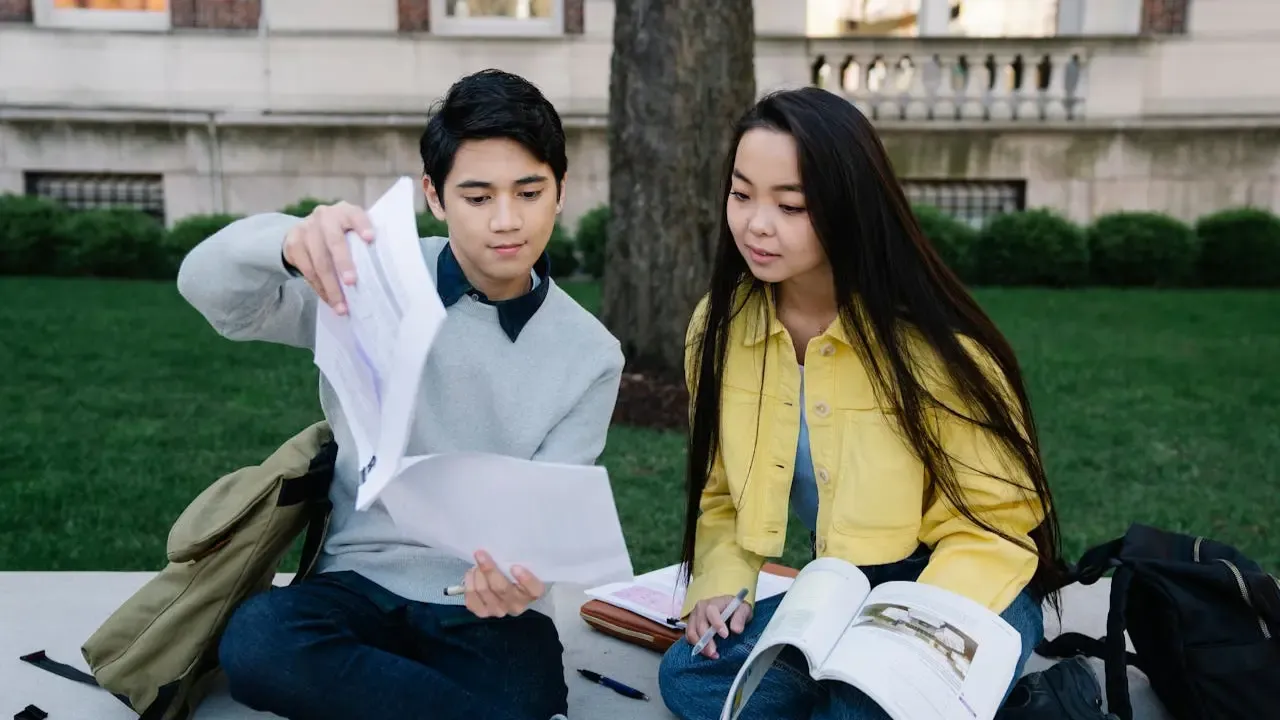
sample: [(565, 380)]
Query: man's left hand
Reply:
[(491, 594)]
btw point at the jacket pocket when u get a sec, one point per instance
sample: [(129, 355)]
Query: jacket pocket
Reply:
[(880, 482)]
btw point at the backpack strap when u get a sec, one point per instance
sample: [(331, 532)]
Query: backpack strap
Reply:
[(1117, 670), (1094, 563), (41, 660), (1110, 648)]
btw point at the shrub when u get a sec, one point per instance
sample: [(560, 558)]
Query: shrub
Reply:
[(1240, 247), (561, 253), (1035, 247), (191, 231), (952, 238), (1142, 249), (303, 207), (114, 242), (592, 237), (29, 239), (429, 226)]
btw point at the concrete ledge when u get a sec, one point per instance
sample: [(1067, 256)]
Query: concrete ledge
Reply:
[(57, 611)]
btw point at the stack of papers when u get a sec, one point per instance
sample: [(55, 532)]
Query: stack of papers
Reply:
[(659, 595), (559, 521)]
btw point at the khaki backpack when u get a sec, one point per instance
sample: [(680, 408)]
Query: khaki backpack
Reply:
[(158, 653)]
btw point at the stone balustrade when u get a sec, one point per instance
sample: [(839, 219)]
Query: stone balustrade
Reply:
[(1024, 80)]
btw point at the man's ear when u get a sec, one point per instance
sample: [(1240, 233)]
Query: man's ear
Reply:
[(433, 198), (563, 188)]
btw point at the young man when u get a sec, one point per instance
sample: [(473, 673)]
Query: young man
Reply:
[(517, 368)]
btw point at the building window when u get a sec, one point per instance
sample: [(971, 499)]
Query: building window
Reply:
[(1004, 18), (103, 14), (970, 201), (89, 191), (911, 18), (497, 17)]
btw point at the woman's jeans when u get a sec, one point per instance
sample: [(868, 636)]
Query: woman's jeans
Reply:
[(695, 688)]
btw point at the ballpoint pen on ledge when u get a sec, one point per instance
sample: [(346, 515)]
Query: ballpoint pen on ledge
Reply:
[(613, 685)]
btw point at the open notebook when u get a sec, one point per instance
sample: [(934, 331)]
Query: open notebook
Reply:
[(646, 610)]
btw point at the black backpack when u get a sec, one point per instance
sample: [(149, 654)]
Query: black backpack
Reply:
[(1203, 618)]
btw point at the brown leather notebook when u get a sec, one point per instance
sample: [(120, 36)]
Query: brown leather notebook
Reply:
[(630, 627)]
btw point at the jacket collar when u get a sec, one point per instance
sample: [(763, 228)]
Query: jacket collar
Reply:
[(513, 314), (761, 316)]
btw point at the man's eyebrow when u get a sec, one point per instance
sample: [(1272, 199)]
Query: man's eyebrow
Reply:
[(786, 187), (486, 185)]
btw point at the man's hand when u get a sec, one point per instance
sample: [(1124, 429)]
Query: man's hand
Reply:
[(491, 594), (317, 247), (706, 614)]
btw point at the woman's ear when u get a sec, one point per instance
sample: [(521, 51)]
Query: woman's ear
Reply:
[(433, 198)]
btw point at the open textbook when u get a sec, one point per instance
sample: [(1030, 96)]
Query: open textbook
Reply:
[(559, 521), (920, 652), (658, 595)]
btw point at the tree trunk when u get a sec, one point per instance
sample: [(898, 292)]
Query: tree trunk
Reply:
[(683, 71)]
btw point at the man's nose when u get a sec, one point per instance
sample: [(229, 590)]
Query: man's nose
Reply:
[(504, 218)]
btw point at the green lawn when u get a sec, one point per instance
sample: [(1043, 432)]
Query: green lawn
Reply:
[(118, 404)]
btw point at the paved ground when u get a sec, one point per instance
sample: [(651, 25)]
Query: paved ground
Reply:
[(57, 611)]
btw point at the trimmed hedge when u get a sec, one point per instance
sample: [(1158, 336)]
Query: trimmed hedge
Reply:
[(953, 239), (592, 237), (113, 242), (30, 242), (1241, 248), (1238, 247), (1142, 249), (1035, 247)]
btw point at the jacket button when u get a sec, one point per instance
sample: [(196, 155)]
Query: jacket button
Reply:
[(822, 545), (821, 409), (823, 476), (828, 350)]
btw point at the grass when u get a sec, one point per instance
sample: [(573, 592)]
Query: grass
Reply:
[(118, 405)]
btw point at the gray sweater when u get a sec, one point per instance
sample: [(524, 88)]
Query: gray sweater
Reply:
[(549, 395)]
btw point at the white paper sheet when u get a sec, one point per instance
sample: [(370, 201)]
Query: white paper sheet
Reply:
[(559, 521), (394, 313)]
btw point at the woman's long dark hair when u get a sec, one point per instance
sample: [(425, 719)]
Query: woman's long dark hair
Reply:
[(887, 276)]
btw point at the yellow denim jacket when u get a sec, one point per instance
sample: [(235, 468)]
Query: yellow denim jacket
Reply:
[(874, 502)]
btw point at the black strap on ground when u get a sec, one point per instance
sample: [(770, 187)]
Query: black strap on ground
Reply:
[(44, 662), (31, 712)]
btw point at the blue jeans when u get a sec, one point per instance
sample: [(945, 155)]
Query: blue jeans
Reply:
[(695, 688), (340, 646)]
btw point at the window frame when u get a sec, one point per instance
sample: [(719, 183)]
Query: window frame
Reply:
[(45, 15), (442, 24)]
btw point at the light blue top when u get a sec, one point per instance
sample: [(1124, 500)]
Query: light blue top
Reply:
[(804, 486)]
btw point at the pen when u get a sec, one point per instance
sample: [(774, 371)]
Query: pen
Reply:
[(613, 685), (453, 590), (724, 617)]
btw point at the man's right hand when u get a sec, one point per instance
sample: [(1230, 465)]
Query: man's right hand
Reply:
[(317, 247), (706, 614)]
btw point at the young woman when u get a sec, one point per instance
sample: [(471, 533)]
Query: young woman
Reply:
[(838, 370)]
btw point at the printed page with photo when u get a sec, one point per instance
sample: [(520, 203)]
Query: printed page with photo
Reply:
[(921, 652)]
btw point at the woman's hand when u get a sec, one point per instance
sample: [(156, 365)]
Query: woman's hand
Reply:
[(491, 594), (706, 614)]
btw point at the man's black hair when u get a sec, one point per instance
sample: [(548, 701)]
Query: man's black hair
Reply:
[(492, 104)]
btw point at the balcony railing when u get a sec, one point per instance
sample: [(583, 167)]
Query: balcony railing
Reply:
[(922, 79)]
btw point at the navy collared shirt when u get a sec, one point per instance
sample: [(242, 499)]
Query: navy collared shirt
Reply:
[(513, 314)]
